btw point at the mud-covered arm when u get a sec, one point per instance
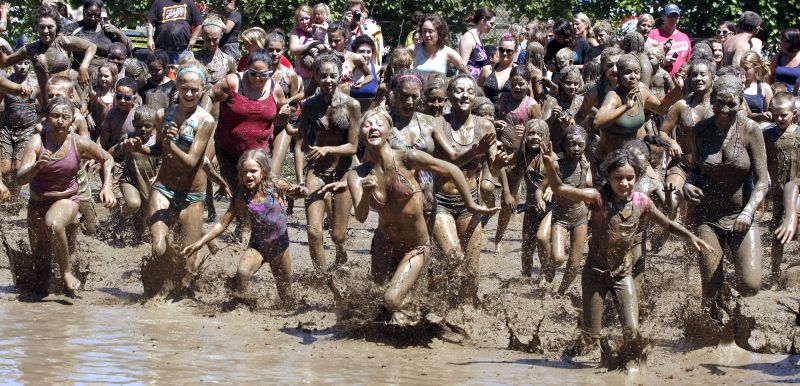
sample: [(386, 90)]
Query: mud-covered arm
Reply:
[(28, 165), (91, 150), (10, 60), (788, 227), (587, 195), (758, 159), (611, 109), (359, 193), (189, 160), (671, 226), (661, 106), (217, 228), (673, 116), (349, 148)]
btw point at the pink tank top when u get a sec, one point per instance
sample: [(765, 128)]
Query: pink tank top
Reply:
[(58, 178), (246, 124)]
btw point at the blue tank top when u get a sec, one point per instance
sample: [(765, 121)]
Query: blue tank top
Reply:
[(786, 75)]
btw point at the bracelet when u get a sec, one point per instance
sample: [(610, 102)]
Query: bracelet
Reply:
[(748, 215)]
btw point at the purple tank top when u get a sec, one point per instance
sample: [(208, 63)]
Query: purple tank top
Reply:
[(58, 178), (267, 220)]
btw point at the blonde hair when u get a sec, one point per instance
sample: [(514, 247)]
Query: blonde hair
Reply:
[(401, 58), (379, 110), (585, 20), (213, 20), (112, 67), (256, 36), (302, 8), (323, 9), (645, 17), (761, 66)]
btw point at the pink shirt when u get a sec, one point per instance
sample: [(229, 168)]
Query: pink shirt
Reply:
[(680, 45), (304, 38)]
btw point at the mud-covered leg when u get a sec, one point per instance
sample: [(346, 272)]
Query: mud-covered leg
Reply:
[(191, 221), (543, 243), (58, 217), (315, 212), (341, 218), (281, 267), (249, 264), (748, 260), (404, 278), (710, 267), (471, 236), (558, 247), (579, 235)]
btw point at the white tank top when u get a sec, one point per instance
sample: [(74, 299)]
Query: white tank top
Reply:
[(426, 65)]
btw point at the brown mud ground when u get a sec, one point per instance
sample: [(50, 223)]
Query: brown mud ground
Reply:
[(514, 313)]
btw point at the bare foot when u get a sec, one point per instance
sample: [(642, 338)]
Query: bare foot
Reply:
[(402, 318)]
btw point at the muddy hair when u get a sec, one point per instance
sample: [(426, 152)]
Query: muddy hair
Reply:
[(451, 87), (274, 36), (609, 52), (49, 12), (591, 72), (702, 51), (645, 145), (379, 110), (144, 112), (633, 43), (521, 71), (782, 98), (322, 59), (573, 130), (602, 26), (128, 82), (619, 158), (406, 76), (262, 159), (734, 70), (708, 63), (60, 101), (535, 56), (570, 71), (480, 102), (435, 81), (727, 85)]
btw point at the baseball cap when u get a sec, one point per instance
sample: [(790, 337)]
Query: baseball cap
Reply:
[(672, 8)]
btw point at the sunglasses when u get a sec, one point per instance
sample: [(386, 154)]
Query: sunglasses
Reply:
[(259, 74), (126, 98), (723, 32), (505, 51)]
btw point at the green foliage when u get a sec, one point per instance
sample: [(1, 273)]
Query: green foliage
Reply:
[(700, 17)]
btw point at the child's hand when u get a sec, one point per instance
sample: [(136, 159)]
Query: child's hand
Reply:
[(693, 193), (191, 249), (549, 156), (334, 187), (787, 230), (701, 245), (223, 191)]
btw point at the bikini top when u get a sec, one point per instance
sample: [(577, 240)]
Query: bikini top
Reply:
[(629, 122), (400, 189), (185, 136), (492, 87), (58, 61)]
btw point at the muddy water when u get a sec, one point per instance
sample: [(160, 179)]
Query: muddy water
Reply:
[(50, 342)]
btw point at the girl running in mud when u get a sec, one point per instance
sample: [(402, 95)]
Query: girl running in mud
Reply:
[(51, 54), (328, 133), (617, 212), (50, 164), (728, 156), (385, 182), (179, 190), (19, 119), (514, 109), (570, 217), (456, 229), (682, 117), (262, 198)]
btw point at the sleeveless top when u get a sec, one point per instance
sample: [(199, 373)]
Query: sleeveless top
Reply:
[(534, 178), (756, 102), (786, 75), (475, 163), (58, 61), (426, 65), (245, 124), (629, 122), (613, 253), (477, 58), (518, 116), (368, 90), (185, 136), (576, 178), (783, 157), (59, 177), (492, 89)]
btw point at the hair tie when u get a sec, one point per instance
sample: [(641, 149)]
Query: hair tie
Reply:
[(412, 76), (192, 70)]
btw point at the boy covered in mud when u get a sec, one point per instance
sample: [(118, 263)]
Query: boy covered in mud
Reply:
[(782, 141), (661, 82), (18, 120)]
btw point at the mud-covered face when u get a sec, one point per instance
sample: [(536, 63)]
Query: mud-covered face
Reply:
[(328, 76), (533, 138), (156, 70), (22, 67), (462, 95), (92, 16), (622, 181), (602, 37), (610, 69), (701, 78), (405, 98), (574, 146), (190, 89), (654, 58), (629, 73), (144, 127), (571, 84), (783, 114), (251, 174), (375, 130), (434, 101), (105, 78), (47, 29), (726, 106), (60, 118), (485, 111), (211, 37), (519, 87), (117, 57), (54, 90)]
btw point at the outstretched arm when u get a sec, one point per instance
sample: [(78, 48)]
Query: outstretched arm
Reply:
[(676, 228), (587, 195)]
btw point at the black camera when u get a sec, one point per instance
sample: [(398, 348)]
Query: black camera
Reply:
[(357, 15)]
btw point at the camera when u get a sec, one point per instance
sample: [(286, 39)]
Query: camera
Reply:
[(357, 15)]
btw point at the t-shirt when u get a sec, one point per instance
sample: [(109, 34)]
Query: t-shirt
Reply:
[(680, 45), (232, 37), (158, 96), (173, 20), (117, 126), (580, 53)]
